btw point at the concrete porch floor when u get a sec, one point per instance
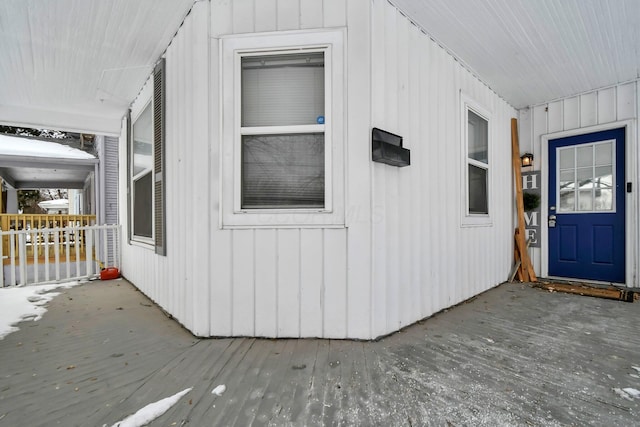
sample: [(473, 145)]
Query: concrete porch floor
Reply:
[(513, 356)]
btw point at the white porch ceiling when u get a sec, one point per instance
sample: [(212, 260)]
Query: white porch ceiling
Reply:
[(534, 51), (76, 65), (27, 163)]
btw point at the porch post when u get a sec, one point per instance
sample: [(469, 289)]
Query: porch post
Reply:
[(97, 198), (12, 200)]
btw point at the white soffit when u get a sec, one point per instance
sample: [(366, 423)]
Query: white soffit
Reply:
[(533, 51), (76, 65)]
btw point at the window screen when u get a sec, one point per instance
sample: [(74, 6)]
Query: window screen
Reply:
[(285, 171)]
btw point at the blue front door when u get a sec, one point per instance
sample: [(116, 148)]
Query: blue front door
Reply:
[(586, 212)]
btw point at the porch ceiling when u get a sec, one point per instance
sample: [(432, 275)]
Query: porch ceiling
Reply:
[(534, 51), (77, 64), (27, 163), (50, 177)]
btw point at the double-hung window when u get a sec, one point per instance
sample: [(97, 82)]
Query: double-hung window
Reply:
[(476, 146), (146, 222), (282, 129)]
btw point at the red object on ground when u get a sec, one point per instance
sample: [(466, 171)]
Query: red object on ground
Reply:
[(109, 273)]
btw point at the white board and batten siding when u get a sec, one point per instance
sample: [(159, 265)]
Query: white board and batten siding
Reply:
[(587, 112), (179, 282), (423, 259), (290, 282), (402, 254)]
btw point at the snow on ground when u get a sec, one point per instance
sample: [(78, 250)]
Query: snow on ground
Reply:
[(17, 146), (20, 303), (152, 411), (23, 303), (632, 392), (219, 390)]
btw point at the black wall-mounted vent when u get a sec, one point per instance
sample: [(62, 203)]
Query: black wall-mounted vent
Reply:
[(387, 148)]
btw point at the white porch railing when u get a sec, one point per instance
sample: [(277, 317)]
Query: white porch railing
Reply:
[(57, 254)]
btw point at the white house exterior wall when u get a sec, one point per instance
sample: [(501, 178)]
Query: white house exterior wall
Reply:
[(402, 254), (423, 259), (295, 282), (607, 107), (179, 281)]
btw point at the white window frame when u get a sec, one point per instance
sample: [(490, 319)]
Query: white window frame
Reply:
[(232, 49), (475, 219), (145, 99)]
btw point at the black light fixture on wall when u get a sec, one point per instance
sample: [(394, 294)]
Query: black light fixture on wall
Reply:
[(526, 160)]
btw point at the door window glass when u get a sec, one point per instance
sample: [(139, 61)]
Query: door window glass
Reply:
[(586, 177)]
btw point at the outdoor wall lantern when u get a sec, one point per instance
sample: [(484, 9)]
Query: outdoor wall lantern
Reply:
[(387, 148), (526, 159)]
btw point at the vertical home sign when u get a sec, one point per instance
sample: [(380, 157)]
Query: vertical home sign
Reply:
[(531, 186)]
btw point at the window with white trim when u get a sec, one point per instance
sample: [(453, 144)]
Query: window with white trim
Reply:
[(146, 214), (476, 143), (282, 126)]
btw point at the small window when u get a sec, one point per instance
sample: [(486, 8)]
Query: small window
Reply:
[(476, 144)]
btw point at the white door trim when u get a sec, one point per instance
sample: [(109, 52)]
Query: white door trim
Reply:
[(631, 202)]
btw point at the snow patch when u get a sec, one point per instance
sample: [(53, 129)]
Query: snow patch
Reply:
[(152, 411), (622, 393), (21, 303), (636, 368), (632, 392), (219, 390)]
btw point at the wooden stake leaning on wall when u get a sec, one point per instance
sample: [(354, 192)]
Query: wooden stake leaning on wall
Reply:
[(526, 268)]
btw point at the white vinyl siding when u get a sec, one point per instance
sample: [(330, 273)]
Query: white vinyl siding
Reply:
[(180, 282), (423, 260), (387, 258), (604, 108)]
